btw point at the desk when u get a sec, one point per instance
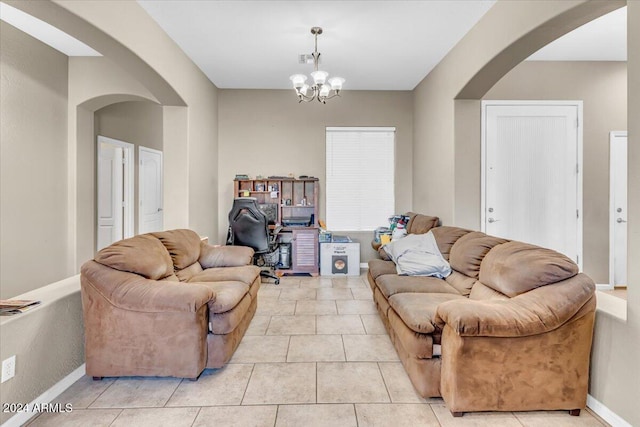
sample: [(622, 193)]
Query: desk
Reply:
[(287, 198), (304, 249)]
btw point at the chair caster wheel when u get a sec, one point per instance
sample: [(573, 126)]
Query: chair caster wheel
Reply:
[(277, 281)]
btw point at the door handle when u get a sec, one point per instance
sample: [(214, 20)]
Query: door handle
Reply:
[(619, 220), (491, 220), (159, 209)]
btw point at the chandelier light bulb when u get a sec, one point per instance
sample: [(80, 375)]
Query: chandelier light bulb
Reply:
[(319, 77), (336, 83), (298, 80), (304, 89), (324, 90)]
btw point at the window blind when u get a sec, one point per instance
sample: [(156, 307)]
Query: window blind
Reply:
[(359, 178)]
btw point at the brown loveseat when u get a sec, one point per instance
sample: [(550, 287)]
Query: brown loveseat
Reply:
[(166, 304), (514, 323)]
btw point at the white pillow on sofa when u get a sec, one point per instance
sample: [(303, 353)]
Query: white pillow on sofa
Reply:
[(418, 255)]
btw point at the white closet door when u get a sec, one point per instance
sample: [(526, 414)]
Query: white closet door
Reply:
[(531, 168), (110, 195), (150, 176)]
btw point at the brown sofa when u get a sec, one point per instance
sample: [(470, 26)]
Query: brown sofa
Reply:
[(514, 323), (166, 304)]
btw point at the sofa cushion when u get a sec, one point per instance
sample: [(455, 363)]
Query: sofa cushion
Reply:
[(378, 267), (143, 255), (420, 224), (391, 284), (514, 268), (460, 282), (224, 256), (481, 291), (469, 250), (187, 273), (406, 340), (183, 246), (228, 295), (228, 321), (446, 237), (417, 311), (246, 274)]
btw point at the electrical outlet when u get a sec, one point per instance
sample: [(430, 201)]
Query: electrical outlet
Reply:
[(8, 368)]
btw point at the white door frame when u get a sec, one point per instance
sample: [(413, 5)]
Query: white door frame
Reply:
[(483, 161), (612, 220), (140, 170), (128, 152)]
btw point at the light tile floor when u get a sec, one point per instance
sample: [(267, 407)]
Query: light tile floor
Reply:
[(316, 354)]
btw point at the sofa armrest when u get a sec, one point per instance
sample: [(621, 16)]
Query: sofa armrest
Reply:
[(150, 296), (535, 312), (224, 256)]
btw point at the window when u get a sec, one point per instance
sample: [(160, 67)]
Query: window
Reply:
[(360, 178)]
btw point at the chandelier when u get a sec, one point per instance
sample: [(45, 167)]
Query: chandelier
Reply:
[(321, 88)]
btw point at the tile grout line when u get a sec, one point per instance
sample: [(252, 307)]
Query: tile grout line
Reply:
[(176, 389), (253, 367), (117, 416), (386, 387), (197, 415)]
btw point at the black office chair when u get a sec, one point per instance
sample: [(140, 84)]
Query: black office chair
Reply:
[(248, 226)]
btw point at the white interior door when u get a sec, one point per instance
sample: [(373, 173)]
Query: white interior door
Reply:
[(531, 173), (618, 210), (150, 214), (110, 192)]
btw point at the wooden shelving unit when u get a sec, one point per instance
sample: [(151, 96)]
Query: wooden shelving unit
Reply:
[(283, 198)]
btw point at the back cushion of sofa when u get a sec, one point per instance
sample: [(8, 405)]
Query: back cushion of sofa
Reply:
[(144, 255), (460, 282), (446, 237), (480, 291), (513, 268), (420, 224), (183, 246), (469, 250), (188, 272)]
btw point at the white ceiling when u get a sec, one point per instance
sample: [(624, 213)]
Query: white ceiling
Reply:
[(384, 45), (603, 39), (374, 45)]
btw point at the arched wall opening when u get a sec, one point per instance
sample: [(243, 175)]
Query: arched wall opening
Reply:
[(128, 118), (154, 68)]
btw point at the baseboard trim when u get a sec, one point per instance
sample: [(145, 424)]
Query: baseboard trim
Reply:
[(46, 397), (605, 413), (603, 287), (364, 265)]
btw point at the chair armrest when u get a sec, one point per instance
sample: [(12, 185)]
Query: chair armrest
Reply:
[(151, 296), (535, 312), (224, 256)]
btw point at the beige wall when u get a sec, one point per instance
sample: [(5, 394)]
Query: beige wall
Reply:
[(33, 210), (615, 371), (266, 132), (48, 342), (602, 86), (136, 122)]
